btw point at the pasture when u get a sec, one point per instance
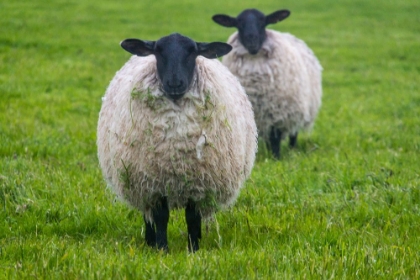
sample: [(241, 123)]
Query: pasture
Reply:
[(344, 205)]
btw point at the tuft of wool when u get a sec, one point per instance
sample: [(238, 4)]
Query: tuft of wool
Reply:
[(201, 147), (283, 82)]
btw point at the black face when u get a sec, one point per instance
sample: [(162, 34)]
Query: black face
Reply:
[(251, 26), (251, 29), (175, 59)]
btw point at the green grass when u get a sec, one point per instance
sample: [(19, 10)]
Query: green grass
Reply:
[(344, 205)]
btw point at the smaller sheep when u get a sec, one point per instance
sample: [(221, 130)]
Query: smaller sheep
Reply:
[(176, 130), (280, 74)]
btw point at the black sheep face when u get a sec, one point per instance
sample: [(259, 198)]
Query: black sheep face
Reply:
[(251, 25), (175, 59)]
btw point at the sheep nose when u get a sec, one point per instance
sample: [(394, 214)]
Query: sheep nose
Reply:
[(175, 84), (175, 89)]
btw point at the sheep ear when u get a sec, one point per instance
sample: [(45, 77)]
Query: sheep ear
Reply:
[(213, 50), (276, 16), (138, 47), (225, 20)]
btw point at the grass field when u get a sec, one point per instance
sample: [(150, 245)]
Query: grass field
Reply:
[(344, 205)]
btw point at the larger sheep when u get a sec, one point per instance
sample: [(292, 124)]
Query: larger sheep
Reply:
[(176, 130), (280, 74)]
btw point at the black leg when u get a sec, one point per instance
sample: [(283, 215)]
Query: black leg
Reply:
[(150, 233), (194, 226), (293, 140), (275, 138), (161, 217)]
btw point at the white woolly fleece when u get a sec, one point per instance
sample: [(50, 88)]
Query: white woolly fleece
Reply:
[(201, 147), (283, 82)]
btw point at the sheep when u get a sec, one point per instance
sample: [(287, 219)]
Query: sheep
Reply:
[(279, 72), (176, 130)]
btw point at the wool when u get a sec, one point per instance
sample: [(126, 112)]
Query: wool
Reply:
[(200, 147), (283, 82)]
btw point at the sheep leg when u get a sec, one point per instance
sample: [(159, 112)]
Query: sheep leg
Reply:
[(293, 140), (275, 138), (193, 218), (161, 217), (150, 233)]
